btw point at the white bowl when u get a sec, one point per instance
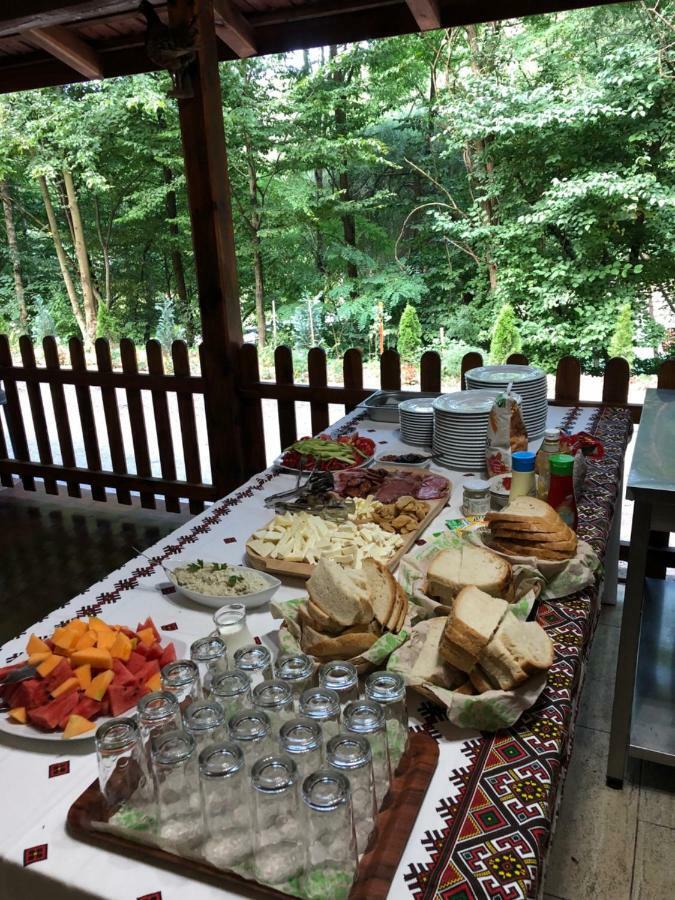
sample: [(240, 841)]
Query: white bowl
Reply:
[(250, 601)]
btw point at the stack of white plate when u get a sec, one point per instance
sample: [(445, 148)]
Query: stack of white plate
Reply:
[(460, 429), (528, 381), (417, 421)]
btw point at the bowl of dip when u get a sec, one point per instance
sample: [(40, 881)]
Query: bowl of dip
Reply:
[(214, 583)]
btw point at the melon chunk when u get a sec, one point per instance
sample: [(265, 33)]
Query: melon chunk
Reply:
[(48, 665), (36, 645), (97, 624), (36, 658), (154, 683), (86, 640), (105, 639), (78, 626), (121, 648), (64, 638), (147, 636), (18, 714), (66, 687), (77, 725), (99, 685), (83, 675), (96, 657)]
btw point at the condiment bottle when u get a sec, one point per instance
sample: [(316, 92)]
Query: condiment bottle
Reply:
[(561, 491), (522, 475), (476, 497), (550, 445)]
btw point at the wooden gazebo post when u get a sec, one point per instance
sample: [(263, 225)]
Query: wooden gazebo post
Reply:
[(208, 187)]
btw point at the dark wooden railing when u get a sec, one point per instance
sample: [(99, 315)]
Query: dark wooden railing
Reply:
[(182, 434)]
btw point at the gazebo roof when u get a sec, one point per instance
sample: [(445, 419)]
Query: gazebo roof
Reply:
[(48, 42)]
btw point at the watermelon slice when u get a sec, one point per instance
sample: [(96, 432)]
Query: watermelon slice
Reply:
[(87, 708), (129, 633), (155, 651), (30, 693), (58, 675), (148, 670), (141, 649), (122, 675), (168, 655), (149, 624), (123, 696), (48, 716), (135, 662), (105, 705)]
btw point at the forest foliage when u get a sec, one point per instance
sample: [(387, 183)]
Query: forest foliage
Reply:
[(526, 165)]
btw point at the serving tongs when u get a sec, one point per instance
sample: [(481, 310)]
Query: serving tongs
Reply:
[(299, 489), (14, 676)]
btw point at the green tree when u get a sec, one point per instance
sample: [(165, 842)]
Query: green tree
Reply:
[(622, 339), (505, 335), (409, 334)]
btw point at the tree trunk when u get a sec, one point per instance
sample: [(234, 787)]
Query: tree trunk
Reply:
[(171, 207), (6, 196), (320, 252), (255, 223), (62, 258), (348, 222), (88, 298)]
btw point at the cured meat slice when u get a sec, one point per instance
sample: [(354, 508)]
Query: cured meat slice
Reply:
[(432, 487)]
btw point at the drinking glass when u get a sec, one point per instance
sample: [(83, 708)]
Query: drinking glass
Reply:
[(342, 678), (295, 670), (230, 622), (232, 690), (276, 699), (365, 717), (388, 689), (226, 805), (302, 741), (351, 755), (323, 706), (157, 712), (278, 837), (205, 721), (252, 730), (209, 654), (176, 774), (330, 856), (122, 769), (181, 678), (256, 661)]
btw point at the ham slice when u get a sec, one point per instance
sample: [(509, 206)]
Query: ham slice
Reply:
[(433, 487)]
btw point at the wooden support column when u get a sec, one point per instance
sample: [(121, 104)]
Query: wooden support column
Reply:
[(208, 186)]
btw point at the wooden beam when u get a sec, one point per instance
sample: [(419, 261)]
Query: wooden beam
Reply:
[(234, 31), (427, 13), (286, 15), (208, 188), (19, 15), (69, 48)]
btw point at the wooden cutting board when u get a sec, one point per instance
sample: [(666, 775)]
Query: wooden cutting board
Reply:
[(304, 570)]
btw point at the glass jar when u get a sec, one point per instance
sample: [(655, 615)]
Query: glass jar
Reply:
[(226, 805), (476, 497), (205, 721), (342, 678), (302, 741), (542, 467), (388, 689), (330, 857), (232, 690), (209, 654), (157, 712), (176, 773), (321, 705), (522, 475), (296, 670), (276, 699), (366, 718), (181, 678), (252, 730), (231, 626), (351, 755), (122, 767), (256, 661), (278, 838)]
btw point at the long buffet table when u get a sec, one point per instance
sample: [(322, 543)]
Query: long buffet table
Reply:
[(486, 821)]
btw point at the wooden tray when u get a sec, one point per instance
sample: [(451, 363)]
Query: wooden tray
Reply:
[(304, 570), (378, 864)]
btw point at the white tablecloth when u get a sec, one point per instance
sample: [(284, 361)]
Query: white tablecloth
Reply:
[(40, 780)]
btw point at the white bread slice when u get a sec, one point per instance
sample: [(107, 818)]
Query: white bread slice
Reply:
[(382, 588), (345, 646), (400, 605), (459, 567), (474, 618), (515, 533), (540, 551), (337, 594), (517, 650), (429, 665), (320, 620), (404, 610), (526, 510), (480, 680)]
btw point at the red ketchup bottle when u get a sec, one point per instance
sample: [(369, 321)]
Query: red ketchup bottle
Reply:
[(561, 488)]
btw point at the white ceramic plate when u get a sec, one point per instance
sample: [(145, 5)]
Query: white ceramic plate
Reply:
[(501, 374), (278, 464), (250, 601), (417, 406), (31, 733)]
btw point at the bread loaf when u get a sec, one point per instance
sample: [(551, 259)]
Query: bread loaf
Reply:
[(473, 620), (459, 567)]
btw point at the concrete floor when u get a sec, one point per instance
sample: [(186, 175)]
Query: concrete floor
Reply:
[(611, 845)]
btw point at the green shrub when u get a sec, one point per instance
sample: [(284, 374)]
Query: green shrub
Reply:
[(409, 334), (622, 339), (451, 359), (505, 335)]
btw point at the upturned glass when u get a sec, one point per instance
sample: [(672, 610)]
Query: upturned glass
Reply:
[(232, 690), (181, 678), (226, 805), (278, 838), (351, 755), (252, 730), (342, 678), (296, 670), (275, 698), (176, 774), (321, 705), (366, 718), (122, 765), (302, 740), (256, 661), (205, 721), (209, 654), (388, 689)]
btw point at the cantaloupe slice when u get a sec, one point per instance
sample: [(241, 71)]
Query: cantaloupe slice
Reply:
[(36, 658), (147, 636), (36, 645), (49, 664), (94, 657), (79, 626), (98, 625), (105, 639), (121, 648), (77, 725), (18, 714), (86, 640), (99, 685), (83, 675), (66, 687), (154, 683), (134, 642), (64, 638)]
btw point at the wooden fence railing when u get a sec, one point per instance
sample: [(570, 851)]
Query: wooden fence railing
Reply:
[(179, 432)]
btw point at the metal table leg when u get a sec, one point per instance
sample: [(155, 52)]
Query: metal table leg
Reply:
[(628, 645)]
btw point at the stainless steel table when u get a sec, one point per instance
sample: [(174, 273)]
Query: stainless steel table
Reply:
[(643, 715)]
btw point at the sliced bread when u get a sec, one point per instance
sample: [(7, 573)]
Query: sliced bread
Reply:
[(507, 530), (382, 589), (429, 665), (480, 680), (473, 620), (334, 592), (344, 646), (458, 567), (526, 510), (323, 623), (514, 654), (539, 551), (530, 646)]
